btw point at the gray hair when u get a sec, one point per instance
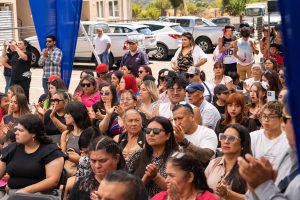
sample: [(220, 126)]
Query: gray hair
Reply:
[(130, 112)]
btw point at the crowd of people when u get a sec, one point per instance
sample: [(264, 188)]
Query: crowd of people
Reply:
[(126, 134)]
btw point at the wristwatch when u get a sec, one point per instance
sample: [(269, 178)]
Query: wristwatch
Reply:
[(184, 143)]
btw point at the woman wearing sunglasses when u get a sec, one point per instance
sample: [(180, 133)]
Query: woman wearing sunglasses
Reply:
[(185, 179), (222, 173), (108, 100), (54, 120), (149, 163), (90, 94)]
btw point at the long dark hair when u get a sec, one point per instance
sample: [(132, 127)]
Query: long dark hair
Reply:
[(27, 45), (274, 81), (170, 146), (234, 178), (109, 146), (113, 91), (79, 113), (34, 125), (189, 163)]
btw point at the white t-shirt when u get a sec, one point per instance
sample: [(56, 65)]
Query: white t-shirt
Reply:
[(225, 80), (101, 43), (270, 149), (210, 114), (203, 137)]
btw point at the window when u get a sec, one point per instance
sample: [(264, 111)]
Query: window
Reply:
[(145, 31), (178, 29), (183, 22), (100, 7), (113, 6), (154, 27)]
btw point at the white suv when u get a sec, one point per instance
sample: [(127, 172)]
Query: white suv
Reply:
[(168, 36), (149, 37)]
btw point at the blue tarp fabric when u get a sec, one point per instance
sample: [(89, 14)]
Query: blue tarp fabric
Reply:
[(291, 32), (60, 18)]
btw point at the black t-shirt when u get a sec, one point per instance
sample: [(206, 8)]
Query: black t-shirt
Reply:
[(26, 169), (50, 128), (221, 109), (20, 68)]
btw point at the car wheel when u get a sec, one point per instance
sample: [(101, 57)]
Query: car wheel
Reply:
[(35, 57), (162, 52), (205, 44)]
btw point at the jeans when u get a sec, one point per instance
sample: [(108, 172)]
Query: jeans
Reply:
[(45, 85), (104, 57), (7, 81)]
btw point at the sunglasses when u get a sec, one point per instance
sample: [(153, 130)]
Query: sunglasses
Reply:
[(286, 118), (230, 138), (156, 131), (104, 92), (85, 84), (190, 75), (55, 100)]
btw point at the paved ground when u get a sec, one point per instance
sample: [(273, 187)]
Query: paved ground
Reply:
[(36, 88)]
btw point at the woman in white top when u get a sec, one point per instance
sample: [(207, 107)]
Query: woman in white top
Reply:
[(188, 55), (220, 78), (148, 98)]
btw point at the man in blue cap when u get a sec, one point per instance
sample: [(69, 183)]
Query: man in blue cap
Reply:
[(209, 113)]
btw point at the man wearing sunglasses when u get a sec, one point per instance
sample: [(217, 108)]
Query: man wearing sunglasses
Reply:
[(194, 75), (50, 60), (198, 139), (260, 175), (209, 113)]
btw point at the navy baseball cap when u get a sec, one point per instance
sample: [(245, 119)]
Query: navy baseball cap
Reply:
[(195, 87)]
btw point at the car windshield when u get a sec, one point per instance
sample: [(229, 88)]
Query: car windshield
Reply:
[(254, 11), (208, 23), (145, 31), (105, 28), (178, 28)]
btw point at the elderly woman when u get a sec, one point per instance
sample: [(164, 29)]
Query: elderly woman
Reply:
[(112, 124), (185, 179), (105, 156), (90, 94), (189, 54), (134, 137), (149, 163), (34, 164), (222, 173)]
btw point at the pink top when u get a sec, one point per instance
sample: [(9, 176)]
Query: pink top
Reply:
[(89, 101), (204, 196)]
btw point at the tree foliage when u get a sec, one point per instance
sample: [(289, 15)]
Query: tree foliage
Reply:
[(136, 10), (236, 7), (175, 4)]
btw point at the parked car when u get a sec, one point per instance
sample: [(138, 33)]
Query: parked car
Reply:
[(221, 21), (205, 32), (83, 51), (149, 37), (168, 36)]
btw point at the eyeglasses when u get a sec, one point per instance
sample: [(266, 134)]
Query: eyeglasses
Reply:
[(286, 118), (85, 84), (140, 72), (269, 117), (49, 41), (230, 138), (104, 92), (128, 99), (156, 131), (55, 100)]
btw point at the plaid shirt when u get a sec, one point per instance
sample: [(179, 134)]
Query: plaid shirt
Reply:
[(51, 65)]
